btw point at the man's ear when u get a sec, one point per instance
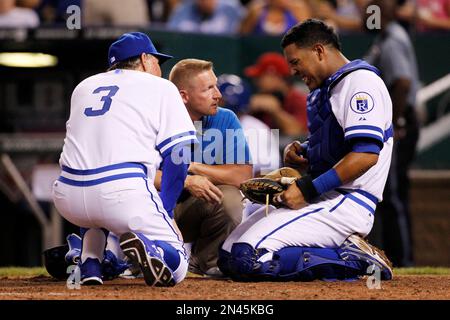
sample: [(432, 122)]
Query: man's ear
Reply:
[(319, 50), (143, 58), (184, 96)]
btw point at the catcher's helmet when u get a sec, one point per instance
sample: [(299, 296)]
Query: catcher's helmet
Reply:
[(235, 91), (55, 262)]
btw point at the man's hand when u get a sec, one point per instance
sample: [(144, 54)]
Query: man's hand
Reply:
[(201, 187), (292, 158), (291, 198)]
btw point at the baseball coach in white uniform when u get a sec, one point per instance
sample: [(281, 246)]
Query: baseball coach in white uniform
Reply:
[(125, 124)]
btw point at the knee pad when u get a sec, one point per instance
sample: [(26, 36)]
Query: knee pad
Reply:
[(307, 264), (290, 264), (244, 264), (243, 259)]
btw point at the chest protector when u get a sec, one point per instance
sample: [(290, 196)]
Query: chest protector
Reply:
[(326, 140)]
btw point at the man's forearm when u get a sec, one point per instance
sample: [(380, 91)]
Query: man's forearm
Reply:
[(354, 165), (230, 174)]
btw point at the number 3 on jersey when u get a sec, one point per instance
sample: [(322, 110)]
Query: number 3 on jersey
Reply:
[(112, 90)]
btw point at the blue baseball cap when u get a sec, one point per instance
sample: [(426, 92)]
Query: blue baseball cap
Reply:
[(133, 44)]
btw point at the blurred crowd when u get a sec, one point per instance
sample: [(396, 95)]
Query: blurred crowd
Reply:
[(245, 17)]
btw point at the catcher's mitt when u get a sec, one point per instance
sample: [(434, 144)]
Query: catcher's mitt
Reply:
[(262, 190)]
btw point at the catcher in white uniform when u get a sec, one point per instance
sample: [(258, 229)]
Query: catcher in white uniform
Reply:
[(124, 124), (317, 233)]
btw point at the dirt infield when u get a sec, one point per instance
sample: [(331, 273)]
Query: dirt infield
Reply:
[(403, 287)]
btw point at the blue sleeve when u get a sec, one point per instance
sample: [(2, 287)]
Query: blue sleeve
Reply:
[(366, 133), (172, 181), (362, 145), (237, 150)]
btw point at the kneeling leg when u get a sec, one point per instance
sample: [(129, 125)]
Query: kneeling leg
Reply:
[(291, 264)]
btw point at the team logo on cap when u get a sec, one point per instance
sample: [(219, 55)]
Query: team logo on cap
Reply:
[(112, 59), (361, 102)]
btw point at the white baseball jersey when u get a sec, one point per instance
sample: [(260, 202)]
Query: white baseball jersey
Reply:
[(363, 108), (371, 118), (122, 123), (124, 116)]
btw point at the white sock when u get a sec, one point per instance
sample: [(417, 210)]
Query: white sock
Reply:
[(94, 242)]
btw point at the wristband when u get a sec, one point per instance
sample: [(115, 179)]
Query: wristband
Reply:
[(306, 186), (327, 181)]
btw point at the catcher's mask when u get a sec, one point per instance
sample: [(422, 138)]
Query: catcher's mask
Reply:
[(55, 262)]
